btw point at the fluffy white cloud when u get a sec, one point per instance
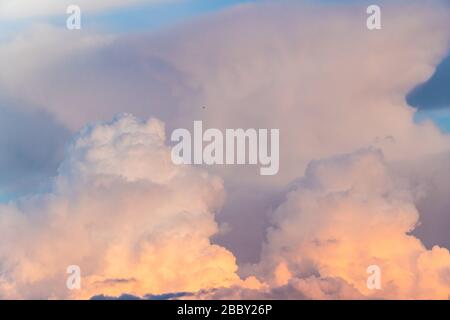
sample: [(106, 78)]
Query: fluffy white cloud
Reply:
[(347, 213), (313, 71), (124, 213)]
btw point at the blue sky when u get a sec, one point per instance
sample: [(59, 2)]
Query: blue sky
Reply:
[(439, 116), (156, 16), (433, 97)]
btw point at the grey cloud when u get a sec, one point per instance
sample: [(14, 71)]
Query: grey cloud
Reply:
[(297, 289), (430, 176), (125, 296), (31, 147)]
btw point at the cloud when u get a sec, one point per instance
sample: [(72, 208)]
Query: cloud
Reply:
[(121, 211), (350, 212), (121, 297), (36, 52), (430, 177), (13, 9), (313, 71), (166, 296), (249, 72), (347, 213), (310, 288)]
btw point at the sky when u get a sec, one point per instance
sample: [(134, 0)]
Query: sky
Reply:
[(87, 177), (432, 98), (139, 16)]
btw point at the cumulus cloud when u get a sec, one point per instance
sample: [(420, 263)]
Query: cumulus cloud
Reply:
[(312, 70), (347, 213), (124, 213)]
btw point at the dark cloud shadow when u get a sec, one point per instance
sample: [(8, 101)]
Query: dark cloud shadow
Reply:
[(125, 296), (31, 148)]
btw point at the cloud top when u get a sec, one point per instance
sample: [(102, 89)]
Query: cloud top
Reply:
[(120, 210)]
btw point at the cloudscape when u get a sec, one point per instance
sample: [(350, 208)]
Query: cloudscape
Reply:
[(194, 149)]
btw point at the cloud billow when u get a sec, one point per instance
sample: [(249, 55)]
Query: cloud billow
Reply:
[(119, 209), (129, 218)]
